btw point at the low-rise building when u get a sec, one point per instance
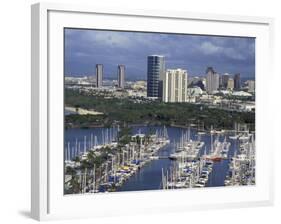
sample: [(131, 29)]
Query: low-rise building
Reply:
[(241, 94)]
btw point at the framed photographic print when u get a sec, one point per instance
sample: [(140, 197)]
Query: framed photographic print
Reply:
[(148, 111)]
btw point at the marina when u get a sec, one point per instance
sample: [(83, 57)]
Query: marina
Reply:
[(242, 164), (156, 157), (157, 121)]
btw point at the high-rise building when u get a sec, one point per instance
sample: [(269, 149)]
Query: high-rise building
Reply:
[(155, 75), (216, 81), (237, 81), (121, 76), (220, 82), (209, 77), (251, 86), (230, 84), (175, 85), (99, 75), (224, 79), (212, 80)]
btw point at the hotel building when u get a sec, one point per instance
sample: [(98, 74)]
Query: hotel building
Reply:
[(175, 85)]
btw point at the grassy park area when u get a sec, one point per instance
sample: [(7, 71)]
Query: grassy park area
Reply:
[(129, 111)]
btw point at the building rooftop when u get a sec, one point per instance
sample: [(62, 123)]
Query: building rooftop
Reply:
[(156, 55)]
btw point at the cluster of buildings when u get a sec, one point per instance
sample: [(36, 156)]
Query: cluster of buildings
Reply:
[(120, 76), (172, 85), (224, 82), (169, 85)]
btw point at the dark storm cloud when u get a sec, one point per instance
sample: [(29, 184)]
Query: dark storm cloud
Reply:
[(86, 48)]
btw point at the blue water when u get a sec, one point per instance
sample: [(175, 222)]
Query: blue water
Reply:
[(73, 134), (150, 176)]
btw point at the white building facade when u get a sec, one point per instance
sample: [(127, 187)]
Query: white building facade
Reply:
[(175, 86)]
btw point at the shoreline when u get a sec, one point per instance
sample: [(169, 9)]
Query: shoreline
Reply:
[(81, 111)]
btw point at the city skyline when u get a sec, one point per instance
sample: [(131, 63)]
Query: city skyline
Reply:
[(86, 48)]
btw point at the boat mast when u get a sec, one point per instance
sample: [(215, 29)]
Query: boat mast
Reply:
[(85, 146), (163, 181), (68, 151), (212, 148), (76, 147)]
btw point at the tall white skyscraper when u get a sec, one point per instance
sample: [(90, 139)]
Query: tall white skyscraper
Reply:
[(175, 85), (212, 80), (121, 76), (99, 75)]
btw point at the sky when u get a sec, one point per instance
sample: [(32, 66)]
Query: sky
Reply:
[(85, 48)]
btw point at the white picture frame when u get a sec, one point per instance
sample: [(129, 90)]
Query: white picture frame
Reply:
[(47, 199)]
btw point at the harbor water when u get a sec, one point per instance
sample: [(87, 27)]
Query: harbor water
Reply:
[(149, 177)]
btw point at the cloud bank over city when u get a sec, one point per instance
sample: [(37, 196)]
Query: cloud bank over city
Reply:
[(86, 48)]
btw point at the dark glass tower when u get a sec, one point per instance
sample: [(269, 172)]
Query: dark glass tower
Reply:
[(155, 75), (237, 81)]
